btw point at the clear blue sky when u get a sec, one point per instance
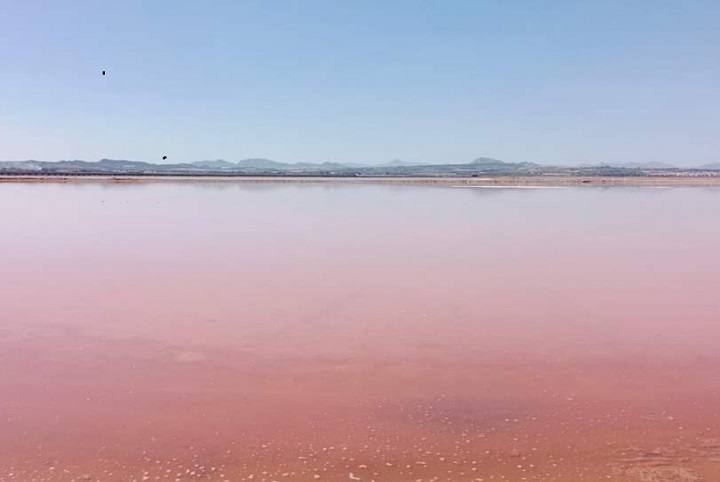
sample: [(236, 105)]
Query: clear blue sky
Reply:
[(361, 81)]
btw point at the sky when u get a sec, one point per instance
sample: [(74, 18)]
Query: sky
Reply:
[(555, 81)]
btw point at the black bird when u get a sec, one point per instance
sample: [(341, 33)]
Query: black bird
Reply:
[(164, 157), (103, 72)]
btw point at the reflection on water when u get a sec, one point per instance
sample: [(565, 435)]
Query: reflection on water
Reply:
[(228, 331)]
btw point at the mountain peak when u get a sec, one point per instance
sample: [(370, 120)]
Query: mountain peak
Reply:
[(487, 160)]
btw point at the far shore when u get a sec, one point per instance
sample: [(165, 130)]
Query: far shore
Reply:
[(509, 181)]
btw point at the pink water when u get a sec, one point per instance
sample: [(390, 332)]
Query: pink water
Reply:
[(267, 332)]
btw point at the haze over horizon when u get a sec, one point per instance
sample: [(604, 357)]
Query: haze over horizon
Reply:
[(315, 81)]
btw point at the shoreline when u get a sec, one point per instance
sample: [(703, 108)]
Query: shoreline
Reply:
[(501, 181)]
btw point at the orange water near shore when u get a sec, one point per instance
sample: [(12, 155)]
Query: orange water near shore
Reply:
[(340, 332)]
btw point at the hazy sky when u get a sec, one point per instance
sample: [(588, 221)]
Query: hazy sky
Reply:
[(361, 81)]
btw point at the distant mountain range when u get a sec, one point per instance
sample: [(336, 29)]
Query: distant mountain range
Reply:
[(269, 164), (259, 166)]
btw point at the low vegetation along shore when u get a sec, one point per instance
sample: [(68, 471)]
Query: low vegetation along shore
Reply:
[(481, 171), (499, 181)]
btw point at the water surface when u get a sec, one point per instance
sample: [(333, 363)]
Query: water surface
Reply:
[(275, 332)]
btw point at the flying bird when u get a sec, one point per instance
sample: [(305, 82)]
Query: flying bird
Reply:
[(164, 157), (103, 72)]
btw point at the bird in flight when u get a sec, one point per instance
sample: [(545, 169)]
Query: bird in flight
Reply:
[(164, 157), (103, 72)]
